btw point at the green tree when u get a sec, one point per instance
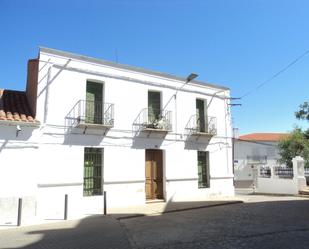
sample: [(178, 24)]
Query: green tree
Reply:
[(303, 112), (296, 144)]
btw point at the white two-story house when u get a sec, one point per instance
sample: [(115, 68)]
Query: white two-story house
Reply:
[(84, 126)]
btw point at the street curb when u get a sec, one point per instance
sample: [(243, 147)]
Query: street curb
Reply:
[(179, 210), (302, 195)]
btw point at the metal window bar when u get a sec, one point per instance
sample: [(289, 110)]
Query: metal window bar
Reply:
[(93, 171), (283, 172), (203, 169), (265, 172), (306, 171)]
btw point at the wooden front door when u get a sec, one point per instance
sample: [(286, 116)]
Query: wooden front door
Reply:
[(154, 174)]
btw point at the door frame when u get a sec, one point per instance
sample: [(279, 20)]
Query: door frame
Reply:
[(154, 197)]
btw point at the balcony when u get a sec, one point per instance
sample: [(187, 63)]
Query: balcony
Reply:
[(91, 114), (151, 120), (206, 126)]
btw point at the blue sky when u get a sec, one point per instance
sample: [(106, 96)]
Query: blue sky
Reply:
[(237, 43)]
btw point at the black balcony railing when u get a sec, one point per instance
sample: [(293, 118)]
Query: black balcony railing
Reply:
[(206, 125), (90, 113), (153, 119)]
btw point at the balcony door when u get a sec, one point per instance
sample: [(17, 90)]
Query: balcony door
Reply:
[(94, 103), (154, 106), (201, 115)]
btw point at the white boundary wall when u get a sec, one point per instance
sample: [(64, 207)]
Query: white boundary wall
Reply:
[(275, 185)]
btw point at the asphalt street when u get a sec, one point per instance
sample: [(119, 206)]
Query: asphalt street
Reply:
[(275, 223)]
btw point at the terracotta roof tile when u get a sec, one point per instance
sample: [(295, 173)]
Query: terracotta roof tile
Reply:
[(14, 106), (271, 137)]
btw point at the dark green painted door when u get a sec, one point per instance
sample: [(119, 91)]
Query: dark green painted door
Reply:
[(154, 106), (94, 103), (201, 117)]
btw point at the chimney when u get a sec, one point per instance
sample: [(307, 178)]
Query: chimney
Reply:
[(32, 84)]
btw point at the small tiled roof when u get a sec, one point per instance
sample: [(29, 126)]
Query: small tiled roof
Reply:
[(271, 137), (14, 106)]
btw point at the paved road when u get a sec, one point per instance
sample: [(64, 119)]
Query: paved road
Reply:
[(278, 224), (283, 223)]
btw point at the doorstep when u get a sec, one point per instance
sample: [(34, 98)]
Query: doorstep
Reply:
[(150, 201)]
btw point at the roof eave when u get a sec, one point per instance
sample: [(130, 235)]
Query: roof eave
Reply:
[(22, 123), (126, 67)]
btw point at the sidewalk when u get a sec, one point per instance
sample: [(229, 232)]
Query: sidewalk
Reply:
[(93, 232), (148, 209), (159, 208)]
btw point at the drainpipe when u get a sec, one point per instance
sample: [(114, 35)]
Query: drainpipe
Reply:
[(47, 94)]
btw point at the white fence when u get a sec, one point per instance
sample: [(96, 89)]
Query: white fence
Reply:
[(282, 180)]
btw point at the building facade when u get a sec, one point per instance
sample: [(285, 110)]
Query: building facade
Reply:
[(84, 126), (253, 150)]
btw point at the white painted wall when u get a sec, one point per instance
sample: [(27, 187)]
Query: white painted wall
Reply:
[(276, 185), (50, 164), (244, 149)]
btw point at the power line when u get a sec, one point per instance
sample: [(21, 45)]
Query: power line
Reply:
[(276, 74)]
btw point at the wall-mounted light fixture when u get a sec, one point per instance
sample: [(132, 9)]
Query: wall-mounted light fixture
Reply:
[(190, 77), (18, 129)]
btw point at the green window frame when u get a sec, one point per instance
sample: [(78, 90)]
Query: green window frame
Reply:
[(93, 168), (203, 169)]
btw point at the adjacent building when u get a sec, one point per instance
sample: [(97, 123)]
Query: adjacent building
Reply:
[(84, 126), (253, 150)]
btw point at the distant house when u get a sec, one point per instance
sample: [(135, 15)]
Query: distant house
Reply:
[(252, 150), (84, 126)]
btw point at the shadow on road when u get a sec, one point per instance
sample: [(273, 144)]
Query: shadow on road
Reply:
[(271, 224)]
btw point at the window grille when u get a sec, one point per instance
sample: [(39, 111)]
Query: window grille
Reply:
[(93, 171), (203, 169)]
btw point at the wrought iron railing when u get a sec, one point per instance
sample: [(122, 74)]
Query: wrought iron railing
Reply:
[(306, 171), (257, 159), (265, 172), (86, 112), (283, 172), (150, 118), (207, 125)]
